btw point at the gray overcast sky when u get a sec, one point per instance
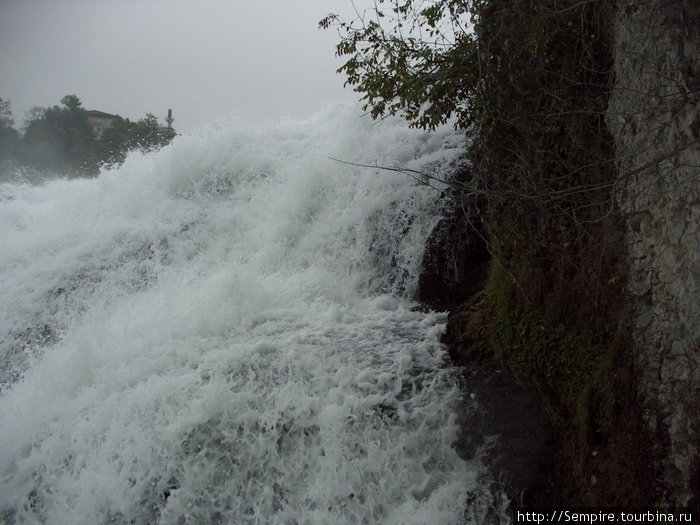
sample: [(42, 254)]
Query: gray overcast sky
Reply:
[(256, 59)]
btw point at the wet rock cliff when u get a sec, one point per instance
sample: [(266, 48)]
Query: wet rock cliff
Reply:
[(654, 118)]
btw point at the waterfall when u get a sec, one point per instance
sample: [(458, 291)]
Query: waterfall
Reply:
[(223, 331)]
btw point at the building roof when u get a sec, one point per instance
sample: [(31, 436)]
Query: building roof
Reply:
[(101, 114)]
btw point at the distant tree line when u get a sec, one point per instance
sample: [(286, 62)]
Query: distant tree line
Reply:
[(61, 139)]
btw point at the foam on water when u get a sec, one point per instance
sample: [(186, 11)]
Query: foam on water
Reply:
[(222, 332)]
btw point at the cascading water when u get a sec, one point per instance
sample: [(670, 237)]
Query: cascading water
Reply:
[(222, 332)]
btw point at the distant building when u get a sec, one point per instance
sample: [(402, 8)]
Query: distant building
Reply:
[(100, 121)]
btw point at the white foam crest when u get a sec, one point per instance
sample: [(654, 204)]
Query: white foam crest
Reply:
[(221, 332)]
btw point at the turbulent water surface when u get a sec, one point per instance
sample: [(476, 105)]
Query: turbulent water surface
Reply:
[(222, 332)]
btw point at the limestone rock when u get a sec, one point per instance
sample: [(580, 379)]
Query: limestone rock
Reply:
[(654, 116)]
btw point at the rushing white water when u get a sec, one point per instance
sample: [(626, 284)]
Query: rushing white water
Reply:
[(222, 332)]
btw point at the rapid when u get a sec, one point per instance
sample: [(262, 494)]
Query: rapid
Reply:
[(224, 331)]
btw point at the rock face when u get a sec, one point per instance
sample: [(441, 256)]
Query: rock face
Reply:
[(455, 260), (654, 116)]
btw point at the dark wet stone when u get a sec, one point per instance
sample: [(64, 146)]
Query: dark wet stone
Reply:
[(455, 259)]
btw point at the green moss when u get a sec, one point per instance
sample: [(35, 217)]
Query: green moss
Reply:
[(579, 370), (559, 363)]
